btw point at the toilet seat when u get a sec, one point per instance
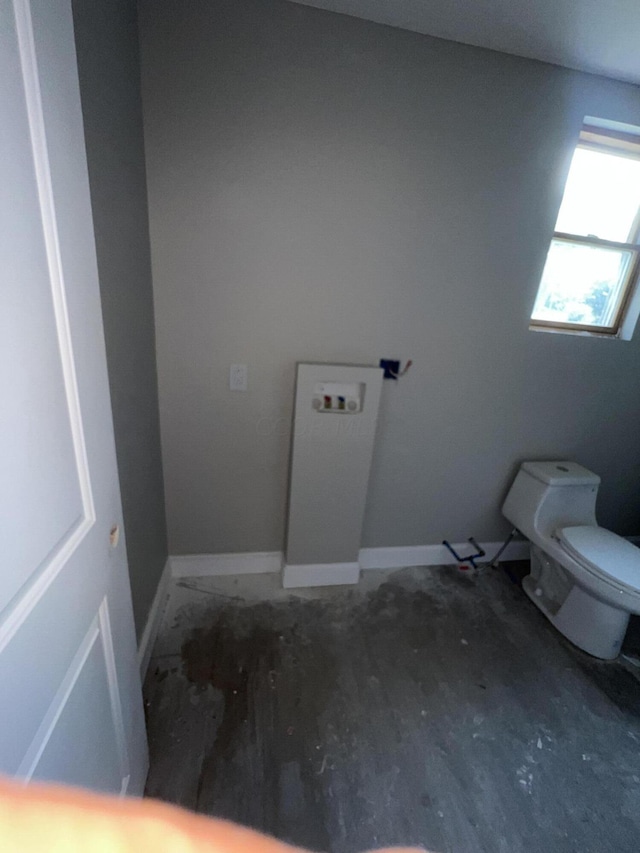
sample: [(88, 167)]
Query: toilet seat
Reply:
[(603, 553)]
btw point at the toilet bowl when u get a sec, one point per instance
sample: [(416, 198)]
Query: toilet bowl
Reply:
[(584, 578)]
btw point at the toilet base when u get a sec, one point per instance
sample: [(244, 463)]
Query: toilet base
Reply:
[(595, 627)]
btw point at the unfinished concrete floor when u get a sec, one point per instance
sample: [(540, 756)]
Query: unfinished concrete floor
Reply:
[(423, 707)]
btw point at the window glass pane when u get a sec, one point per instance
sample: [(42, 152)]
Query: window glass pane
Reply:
[(582, 284), (601, 197)]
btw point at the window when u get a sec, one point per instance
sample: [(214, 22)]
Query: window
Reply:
[(593, 260)]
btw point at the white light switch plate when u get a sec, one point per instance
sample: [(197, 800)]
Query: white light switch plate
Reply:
[(238, 377)]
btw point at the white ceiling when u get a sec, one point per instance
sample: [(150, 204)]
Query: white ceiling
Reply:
[(600, 36)]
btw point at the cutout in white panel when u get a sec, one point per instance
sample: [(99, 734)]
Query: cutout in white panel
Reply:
[(338, 398)]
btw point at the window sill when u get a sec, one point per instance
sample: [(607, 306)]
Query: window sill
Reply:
[(582, 333)]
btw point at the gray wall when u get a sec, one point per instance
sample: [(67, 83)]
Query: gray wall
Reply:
[(322, 188), (108, 60)]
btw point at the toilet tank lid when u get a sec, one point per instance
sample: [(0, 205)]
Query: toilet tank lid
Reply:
[(561, 473), (604, 552)]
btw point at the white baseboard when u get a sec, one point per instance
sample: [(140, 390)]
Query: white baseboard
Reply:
[(436, 555), (215, 565), (212, 565), (153, 620), (320, 574)]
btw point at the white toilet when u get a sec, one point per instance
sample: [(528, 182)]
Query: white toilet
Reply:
[(585, 579)]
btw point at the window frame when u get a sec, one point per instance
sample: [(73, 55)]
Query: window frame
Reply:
[(621, 144)]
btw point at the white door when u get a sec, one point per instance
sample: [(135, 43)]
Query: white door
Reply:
[(71, 706)]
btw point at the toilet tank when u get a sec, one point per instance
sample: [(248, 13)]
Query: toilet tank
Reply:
[(548, 495)]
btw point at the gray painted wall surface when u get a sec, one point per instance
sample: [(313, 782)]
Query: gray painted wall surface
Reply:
[(108, 60), (325, 189)]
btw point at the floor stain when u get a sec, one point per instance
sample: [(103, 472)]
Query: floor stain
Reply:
[(437, 709)]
